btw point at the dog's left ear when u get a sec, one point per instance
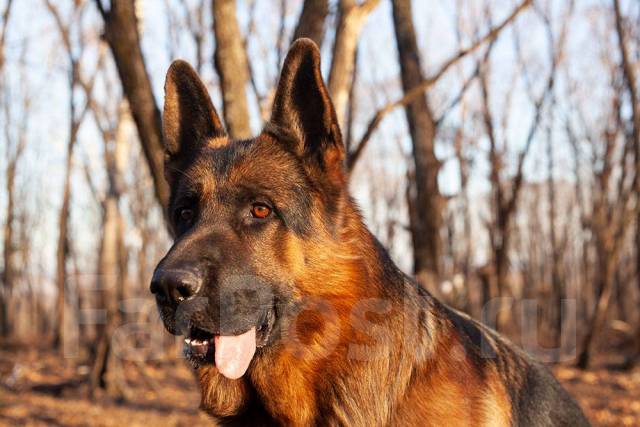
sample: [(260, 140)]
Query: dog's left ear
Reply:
[(303, 112), (189, 119)]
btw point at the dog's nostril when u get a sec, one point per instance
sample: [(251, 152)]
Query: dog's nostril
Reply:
[(174, 285), (183, 291)]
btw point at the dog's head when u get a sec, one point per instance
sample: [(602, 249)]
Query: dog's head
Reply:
[(241, 210)]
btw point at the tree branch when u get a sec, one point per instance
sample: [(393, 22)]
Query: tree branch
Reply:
[(3, 34), (429, 82)]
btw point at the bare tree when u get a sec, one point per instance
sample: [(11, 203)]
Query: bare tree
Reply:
[(612, 210), (15, 149), (464, 167), (14, 152), (76, 117), (427, 220), (506, 190), (197, 28), (196, 23), (112, 257), (427, 83), (557, 242), (121, 32), (631, 86)]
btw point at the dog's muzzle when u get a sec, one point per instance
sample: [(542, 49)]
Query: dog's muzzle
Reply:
[(222, 324)]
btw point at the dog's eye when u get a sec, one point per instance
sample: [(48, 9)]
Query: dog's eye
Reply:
[(185, 215), (260, 210)]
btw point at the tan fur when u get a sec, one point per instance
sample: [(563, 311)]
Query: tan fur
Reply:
[(220, 395), (217, 142), (496, 404)]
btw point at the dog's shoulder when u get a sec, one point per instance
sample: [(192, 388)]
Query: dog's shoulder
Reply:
[(535, 395), (541, 401)]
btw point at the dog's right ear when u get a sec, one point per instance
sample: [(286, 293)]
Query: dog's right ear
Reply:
[(189, 119)]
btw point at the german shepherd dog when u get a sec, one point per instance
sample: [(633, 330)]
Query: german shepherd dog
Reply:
[(293, 313)]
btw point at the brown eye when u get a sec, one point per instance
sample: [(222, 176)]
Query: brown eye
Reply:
[(260, 211), (186, 215)]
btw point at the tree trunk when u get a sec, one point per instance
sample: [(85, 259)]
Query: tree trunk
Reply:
[(231, 65), (62, 247), (630, 79), (463, 166), (9, 253), (605, 282), (108, 278), (11, 247), (121, 32), (111, 264), (425, 232), (311, 23), (501, 265), (557, 285), (350, 22), (7, 277), (486, 275)]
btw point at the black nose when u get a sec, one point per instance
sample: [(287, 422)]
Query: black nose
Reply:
[(175, 285)]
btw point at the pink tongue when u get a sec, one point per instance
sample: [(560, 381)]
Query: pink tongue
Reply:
[(234, 353)]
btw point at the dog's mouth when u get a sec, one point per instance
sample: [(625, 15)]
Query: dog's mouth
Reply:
[(199, 346), (231, 354)]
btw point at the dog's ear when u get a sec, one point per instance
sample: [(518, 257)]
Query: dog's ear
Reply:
[(303, 116), (189, 118)]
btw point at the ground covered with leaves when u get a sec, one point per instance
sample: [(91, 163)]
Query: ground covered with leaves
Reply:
[(37, 389)]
